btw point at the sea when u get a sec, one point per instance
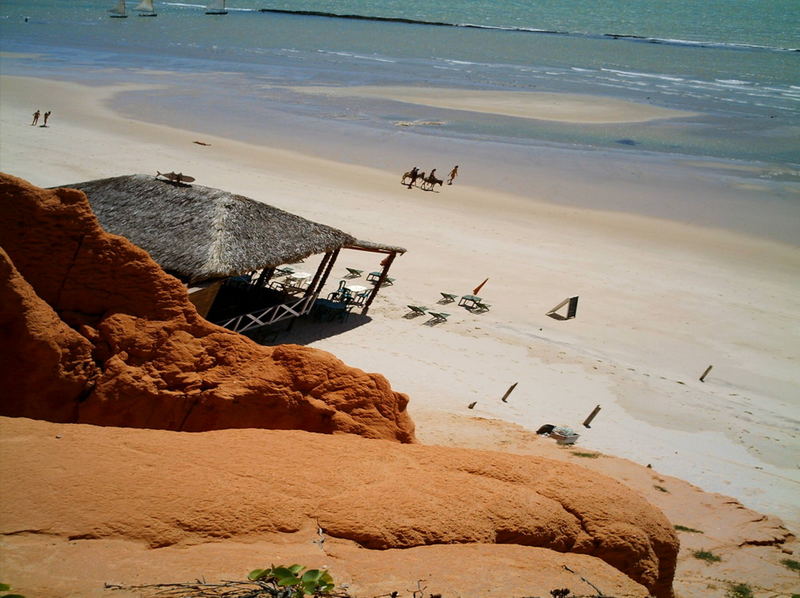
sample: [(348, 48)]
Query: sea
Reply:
[(733, 64)]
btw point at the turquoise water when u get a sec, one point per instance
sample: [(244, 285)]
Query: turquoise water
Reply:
[(734, 62)]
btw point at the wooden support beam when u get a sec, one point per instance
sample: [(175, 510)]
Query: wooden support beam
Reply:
[(384, 273), (312, 287)]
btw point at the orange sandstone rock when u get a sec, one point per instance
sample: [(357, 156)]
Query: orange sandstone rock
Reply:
[(166, 489), (155, 362)]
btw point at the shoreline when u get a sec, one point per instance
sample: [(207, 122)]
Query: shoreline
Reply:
[(659, 299)]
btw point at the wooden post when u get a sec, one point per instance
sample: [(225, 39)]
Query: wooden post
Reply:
[(312, 288), (592, 415), (703, 377), (380, 282), (472, 404), (509, 391)]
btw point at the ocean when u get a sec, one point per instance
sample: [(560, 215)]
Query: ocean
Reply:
[(735, 64)]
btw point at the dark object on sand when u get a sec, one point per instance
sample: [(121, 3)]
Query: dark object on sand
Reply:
[(545, 429), (572, 310), (592, 415), (175, 177), (509, 391), (472, 404), (703, 377)]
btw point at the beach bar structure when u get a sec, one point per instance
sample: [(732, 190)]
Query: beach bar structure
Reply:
[(226, 248)]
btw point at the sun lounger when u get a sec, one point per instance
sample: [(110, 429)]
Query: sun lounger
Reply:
[(448, 297), (438, 316), (480, 306), (354, 273), (284, 270), (418, 310), (376, 276), (469, 301)]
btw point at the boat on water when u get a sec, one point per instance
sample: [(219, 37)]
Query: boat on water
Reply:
[(145, 8), (216, 7), (118, 11)]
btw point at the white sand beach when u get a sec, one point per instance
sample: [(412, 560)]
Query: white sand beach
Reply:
[(660, 300)]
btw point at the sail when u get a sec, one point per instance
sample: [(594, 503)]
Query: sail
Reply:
[(145, 6), (216, 5), (119, 9)]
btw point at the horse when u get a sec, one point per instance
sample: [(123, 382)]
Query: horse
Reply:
[(429, 183), (414, 176)]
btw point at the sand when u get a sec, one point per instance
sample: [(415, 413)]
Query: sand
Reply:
[(562, 107), (660, 300)]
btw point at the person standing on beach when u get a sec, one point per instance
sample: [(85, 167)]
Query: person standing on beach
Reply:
[(450, 177), (46, 116), (35, 118)]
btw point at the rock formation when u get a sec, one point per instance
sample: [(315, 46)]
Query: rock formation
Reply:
[(94, 331), (165, 489)]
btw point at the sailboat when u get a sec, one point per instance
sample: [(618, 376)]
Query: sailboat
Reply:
[(145, 8), (118, 12), (216, 7)]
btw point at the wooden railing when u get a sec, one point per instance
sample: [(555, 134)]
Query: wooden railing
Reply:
[(269, 315)]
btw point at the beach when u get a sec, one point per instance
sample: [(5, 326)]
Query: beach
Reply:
[(660, 299)]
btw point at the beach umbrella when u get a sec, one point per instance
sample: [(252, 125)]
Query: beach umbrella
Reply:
[(478, 288)]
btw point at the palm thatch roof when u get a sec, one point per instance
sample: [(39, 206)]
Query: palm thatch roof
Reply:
[(199, 233)]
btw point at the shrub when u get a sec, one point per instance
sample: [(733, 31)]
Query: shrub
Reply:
[(683, 528), (705, 555), (791, 564), (739, 590), (301, 582)]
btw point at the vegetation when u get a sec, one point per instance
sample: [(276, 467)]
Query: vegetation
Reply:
[(299, 582), (587, 455), (661, 488), (683, 528), (4, 587), (705, 555), (791, 564), (739, 590)]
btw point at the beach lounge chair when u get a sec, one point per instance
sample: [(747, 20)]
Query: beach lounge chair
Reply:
[(439, 316), (480, 307), (448, 297), (417, 310), (376, 276), (354, 273), (284, 270), (469, 301)]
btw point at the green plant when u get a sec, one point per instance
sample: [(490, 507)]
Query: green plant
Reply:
[(739, 590), (587, 455), (791, 564), (683, 528), (4, 587), (661, 488), (295, 578), (705, 555)]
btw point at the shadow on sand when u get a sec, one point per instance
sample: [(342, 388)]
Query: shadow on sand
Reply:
[(305, 330)]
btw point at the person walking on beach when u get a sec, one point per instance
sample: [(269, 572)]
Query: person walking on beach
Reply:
[(450, 177), (35, 118), (46, 116)]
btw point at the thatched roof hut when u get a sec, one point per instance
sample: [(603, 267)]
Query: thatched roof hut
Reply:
[(198, 233)]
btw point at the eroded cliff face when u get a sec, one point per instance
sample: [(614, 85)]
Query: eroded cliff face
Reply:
[(165, 489), (95, 332)]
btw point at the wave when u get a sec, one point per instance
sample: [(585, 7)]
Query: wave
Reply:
[(615, 36)]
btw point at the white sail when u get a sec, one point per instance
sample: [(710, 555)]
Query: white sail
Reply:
[(216, 5), (119, 9), (145, 6)]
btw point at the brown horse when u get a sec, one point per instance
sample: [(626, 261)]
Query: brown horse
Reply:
[(413, 175), (428, 183)]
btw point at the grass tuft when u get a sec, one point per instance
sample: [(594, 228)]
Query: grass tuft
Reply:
[(705, 555), (661, 488), (683, 528), (791, 564), (587, 455), (739, 590)]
